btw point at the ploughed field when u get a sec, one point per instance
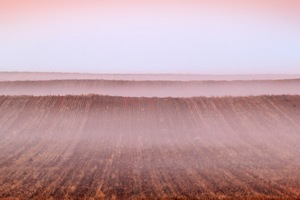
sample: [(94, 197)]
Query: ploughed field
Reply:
[(85, 147)]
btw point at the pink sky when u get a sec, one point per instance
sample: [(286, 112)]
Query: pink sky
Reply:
[(18, 9), (146, 36)]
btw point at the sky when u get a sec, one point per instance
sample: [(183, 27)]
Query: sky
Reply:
[(151, 36)]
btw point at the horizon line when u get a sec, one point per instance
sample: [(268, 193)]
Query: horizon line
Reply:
[(139, 73)]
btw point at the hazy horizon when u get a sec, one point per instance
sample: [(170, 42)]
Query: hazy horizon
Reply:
[(145, 73)]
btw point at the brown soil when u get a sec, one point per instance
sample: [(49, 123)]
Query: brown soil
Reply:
[(82, 147)]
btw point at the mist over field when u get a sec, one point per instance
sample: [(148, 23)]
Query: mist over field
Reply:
[(149, 139), (126, 88), (48, 76)]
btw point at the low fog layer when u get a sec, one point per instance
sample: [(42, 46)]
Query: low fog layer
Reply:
[(23, 76), (151, 88), (96, 146)]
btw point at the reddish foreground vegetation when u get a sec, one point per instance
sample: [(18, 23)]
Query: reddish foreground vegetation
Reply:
[(81, 147)]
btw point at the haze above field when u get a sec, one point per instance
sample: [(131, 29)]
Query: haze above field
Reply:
[(151, 88), (147, 85), (33, 76)]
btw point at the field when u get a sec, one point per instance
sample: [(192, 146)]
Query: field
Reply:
[(145, 88), (105, 147)]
